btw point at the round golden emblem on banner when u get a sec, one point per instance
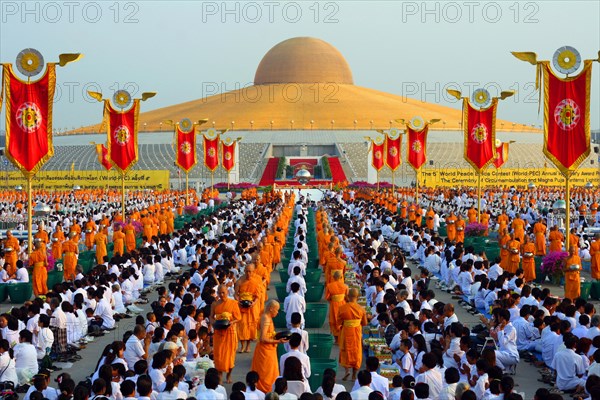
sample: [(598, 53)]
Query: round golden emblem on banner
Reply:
[(393, 151), (186, 148), (122, 135), (393, 133), (122, 99), (479, 133), (29, 117), (566, 60), (417, 123), (567, 114), (378, 155), (30, 62), (186, 125), (228, 156), (211, 133), (212, 152), (417, 146), (481, 98)]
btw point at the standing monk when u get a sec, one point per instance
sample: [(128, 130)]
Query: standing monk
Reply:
[(450, 226), (58, 237), (539, 229), (90, 232), (351, 318), (429, 218), (556, 239), (572, 279), (129, 237), (595, 253), (528, 261), (11, 250), (460, 229), (69, 255), (504, 252), (514, 248), (118, 241), (247, 291), (335, 294), (265, 360), (472, 215), (502, 221), (100, 240), (39, 260), (518, 226), (225, 341)]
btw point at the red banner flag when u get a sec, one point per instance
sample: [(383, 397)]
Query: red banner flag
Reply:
[(393, 146), (480, 134), (186, 148), (378, 150), (567, 117), (417, 146), (211, 149), (103, 157), (29, 119), (228, 154), (501, 155), (122, 135)]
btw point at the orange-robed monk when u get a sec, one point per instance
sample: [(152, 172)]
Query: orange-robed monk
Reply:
[(69, 255), (265, 360), (129, 231), (11, 257), (572, 278), (595, 253), (118, 241), (539, 229), (556, 239), (335, 294), (39, 261), (450, 226), (248, 289), (528, 261), (351, 318), (225, 341)]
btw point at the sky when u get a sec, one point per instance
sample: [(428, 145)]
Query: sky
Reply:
[(184, 49)]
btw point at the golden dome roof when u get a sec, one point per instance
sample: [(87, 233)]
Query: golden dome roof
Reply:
[(303, 60)]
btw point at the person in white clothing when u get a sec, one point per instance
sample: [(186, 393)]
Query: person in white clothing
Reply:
[(26, 362), (364, 386), (103, 313), (137, 345), (294, 302), (377, 382), (296, 276), (295, 342), (505, 335), (431, 376), (569, 366)]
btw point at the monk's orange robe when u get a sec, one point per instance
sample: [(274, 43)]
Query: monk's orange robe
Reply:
[(451, 228), (90, 228), (539, 229), (352, 318), (225, 341), (335, 293), (518, 226), (572, 278), (595, 253), (246, 328), (100, 241), (69, 254), (556, 239), (119, 242), (528, 262), (472, 215), (460, 231), (40, 274), (504, 253), (514, 258), (129, 237), (11, 257), (265, 360)]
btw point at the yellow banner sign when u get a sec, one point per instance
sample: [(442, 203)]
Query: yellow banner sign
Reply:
[(65, 180), (506, 177)]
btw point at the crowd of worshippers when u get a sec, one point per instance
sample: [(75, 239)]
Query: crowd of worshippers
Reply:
[(428, 342)]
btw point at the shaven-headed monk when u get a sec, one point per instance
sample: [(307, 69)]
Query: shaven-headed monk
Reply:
[(265, 360), (335, 293), (69, 254), (118, 241), (39, 260), (351, 318), (247, 292), (595, 253), (225, 341), (572, 275)]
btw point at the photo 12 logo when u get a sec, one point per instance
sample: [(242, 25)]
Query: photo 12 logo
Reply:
[(54, 12), (253, 12), (453, 12), (437, 92)]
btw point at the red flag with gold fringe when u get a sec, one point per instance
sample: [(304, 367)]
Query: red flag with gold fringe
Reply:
[(103, 157), (567, 117), (211, 149), (393, 146), (186, 149), (417, 146), (122, 128), (479, 128), (377, 150), (29, 119), (501, 155), (228, 154)]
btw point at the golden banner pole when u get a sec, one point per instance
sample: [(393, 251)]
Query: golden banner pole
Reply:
[(228, 179), (29, 216), (417, 173), (378, 180), (478, 195), (123, 194), (187, 200), (393, 182), (212, 179), (568, 210)]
